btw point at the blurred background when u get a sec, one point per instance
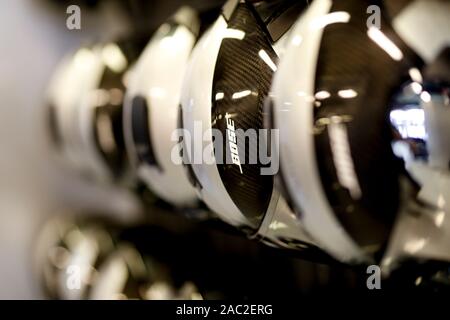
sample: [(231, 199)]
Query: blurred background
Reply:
[(33, 185)]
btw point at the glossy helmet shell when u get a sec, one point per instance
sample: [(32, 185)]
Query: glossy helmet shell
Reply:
[(151, 109), (75, 75), (333, 97), (86, 108), (229, 77)]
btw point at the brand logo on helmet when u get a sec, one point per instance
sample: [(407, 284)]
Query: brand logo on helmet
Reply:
[(198, 146), (231, 133)]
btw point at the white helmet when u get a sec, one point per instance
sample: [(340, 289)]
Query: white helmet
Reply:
[(364, 128), (72, 79), (86, 99), (227, 81), (151, 109)]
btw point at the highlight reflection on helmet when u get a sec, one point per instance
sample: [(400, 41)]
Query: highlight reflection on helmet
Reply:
[(225, 88), (363, 129), (151, 108)]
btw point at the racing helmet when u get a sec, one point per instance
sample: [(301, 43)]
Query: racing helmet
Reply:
[(151, 109), (361, 103), (222, 105), (85, 107)]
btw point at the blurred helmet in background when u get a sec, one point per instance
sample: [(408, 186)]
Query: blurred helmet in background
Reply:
[(96, 259), (151, 109), (129, 274), (69, 254), (86, 97)]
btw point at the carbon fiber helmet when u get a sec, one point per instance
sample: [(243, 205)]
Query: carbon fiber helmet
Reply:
[(363, 116), (227, 81), (151, 108), (85, 109)]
